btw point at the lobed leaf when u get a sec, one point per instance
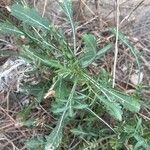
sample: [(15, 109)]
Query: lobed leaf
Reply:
[(114, 109), (128, 101)]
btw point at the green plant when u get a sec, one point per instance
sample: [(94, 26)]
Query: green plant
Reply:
[(131, 135), (77, 94)]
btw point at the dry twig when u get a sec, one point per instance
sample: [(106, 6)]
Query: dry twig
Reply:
[(116, 43)]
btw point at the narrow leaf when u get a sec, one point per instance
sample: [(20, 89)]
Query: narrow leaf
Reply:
[(89, 50), (54, 139), (41, 59), (78, 131), (124, 40), (102, 51), (129, 102), (29, 16), (87, 59), (90, 43), (7, 28), (67, 7)]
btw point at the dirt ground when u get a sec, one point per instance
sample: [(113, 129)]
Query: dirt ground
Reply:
[(92, 16)]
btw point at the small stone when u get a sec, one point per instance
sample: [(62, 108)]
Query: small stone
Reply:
[(136, 78)]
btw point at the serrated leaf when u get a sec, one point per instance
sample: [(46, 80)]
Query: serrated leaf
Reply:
[(61, 89), (62, 93), (90, 43), (78, 131), (89, 50), (68, 10), (129, 102), (90, 53), (29, 16), (39, 58), (114, 109), (54, 139), (80, 106), (34, 144), (141, 143), (7, 28)]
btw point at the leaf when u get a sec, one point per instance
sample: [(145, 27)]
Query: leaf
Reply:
[(37, 90), (102, 51), (128, 101), (39, 58), (34, 144), (29, 16), (78, 131), (141, 143), (86, 132), (89, 49), (124, 40), (90, 43), (24, 113), (97, 116), (54, 139), (7, 28), (61, 96), (61, 89), (67, 7), (114, 109), (87, 59), (80, 106), (30, 122)]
